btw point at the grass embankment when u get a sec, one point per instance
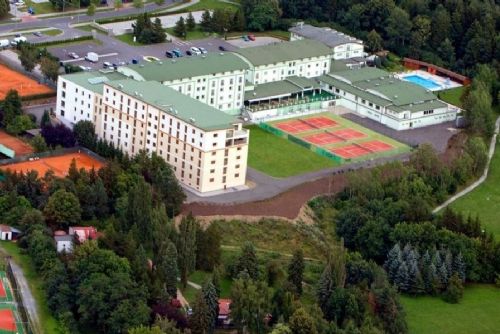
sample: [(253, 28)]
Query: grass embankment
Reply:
[(39, 8), (477, 313), (48, 322), (197, 33), (452, 96), (52, 32), (484, 201), (211, 5), (279, 157), (129, 39)]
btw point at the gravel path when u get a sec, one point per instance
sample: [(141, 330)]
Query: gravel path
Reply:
[(481, 179)]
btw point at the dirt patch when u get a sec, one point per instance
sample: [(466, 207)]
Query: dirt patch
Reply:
[(15, 144), (285, 205)]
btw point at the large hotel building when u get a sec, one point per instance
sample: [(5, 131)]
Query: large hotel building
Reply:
[(190, 110)]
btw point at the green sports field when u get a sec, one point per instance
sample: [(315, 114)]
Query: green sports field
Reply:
[(6, 287), (484, 201), (279, 157), (477, 313)]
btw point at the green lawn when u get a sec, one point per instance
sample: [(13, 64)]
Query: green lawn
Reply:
[(129, 39), (197, 33), (477, 313), (452, 96), (40, 8), (210, 4), (279, 157), (89, 28), (484, 200), (189, 293), (52, 32), (48, 322)]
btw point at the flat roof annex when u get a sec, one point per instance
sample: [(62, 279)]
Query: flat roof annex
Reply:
[(198, 114), (328, 36), (93, 80)]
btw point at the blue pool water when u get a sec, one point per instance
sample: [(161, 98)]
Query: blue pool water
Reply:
[(421, 81)]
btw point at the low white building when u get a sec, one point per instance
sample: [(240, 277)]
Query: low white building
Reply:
[(343, 46), (276, 62), (64, 243), (379, 95)]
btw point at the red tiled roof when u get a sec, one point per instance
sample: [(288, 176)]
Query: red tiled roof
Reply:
[(84, 233), (224, 307), (4, 228)]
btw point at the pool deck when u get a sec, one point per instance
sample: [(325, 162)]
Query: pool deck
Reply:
[(441, 82)]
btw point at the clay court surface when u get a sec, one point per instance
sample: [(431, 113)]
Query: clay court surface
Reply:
[(3, 293), (25, 86), (15, 144), (59, 164), (301, 125), (7, 321), (359, 150)]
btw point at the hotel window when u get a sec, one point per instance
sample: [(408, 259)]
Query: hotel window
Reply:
[(212, 180), (236, 175)]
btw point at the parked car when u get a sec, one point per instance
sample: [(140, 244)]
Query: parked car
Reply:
[(73, 55), (122, 63), (37, 34), (189, 53), (251, 37), (245, 38), (203, 50), (222, 48), (169, 54), (107, 64), (92, 57), (4, 43), (135, 61), (19, 39), (177, 52), (31, 11), (195, 50)]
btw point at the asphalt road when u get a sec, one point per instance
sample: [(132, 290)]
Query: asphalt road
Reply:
[(65, 21)]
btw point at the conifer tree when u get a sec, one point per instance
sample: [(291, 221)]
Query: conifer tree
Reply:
[(200, 320), (170, 269), (248, 261), (442, 274), (455, 290), (212, 300), (393, 262), (402, 278), (325, 288), (296, 270), (216, 276), (186, 247), (206, 21), (190, 22), (180, 28), (459, 266)]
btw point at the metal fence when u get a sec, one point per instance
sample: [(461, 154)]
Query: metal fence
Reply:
[(27, 323), (52, 153)]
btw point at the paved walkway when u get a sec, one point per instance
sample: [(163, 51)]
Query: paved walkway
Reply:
[(481, 179), (267, 186), (28, 300)]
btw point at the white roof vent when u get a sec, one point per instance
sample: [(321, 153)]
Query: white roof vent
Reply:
[(192, 120), (136, 93), (160, 63), (395, 96), (120, 86)]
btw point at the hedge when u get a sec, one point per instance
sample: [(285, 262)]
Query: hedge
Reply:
[(38, 96), (62, 41)]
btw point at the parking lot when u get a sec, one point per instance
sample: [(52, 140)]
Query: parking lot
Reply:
[(116, 52), (259, 41)]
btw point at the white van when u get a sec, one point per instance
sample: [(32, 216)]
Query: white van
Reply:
[(18, 40), (4, 43)]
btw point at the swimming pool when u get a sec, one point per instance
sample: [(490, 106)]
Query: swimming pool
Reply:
[(421, 81)]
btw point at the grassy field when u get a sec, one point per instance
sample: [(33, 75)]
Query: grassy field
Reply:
[(477, 313), (48, 322), (452, 96), (40, 8), (279, 157), (484, 200)]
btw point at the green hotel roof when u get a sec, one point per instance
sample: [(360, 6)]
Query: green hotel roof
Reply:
[(365, 73), (188, 67), (171, 101), (284, 51), (94, 80)]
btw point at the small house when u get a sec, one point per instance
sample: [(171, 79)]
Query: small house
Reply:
[(223, 319), (64, 242), (8, 233), (83, 233)]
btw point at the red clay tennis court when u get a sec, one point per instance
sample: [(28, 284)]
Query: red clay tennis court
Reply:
[(324, 138), (7, 321), (301, 125), (3, 293), (24, 85), (15, 144), (349, 134), (58, 164), (358, 150)]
